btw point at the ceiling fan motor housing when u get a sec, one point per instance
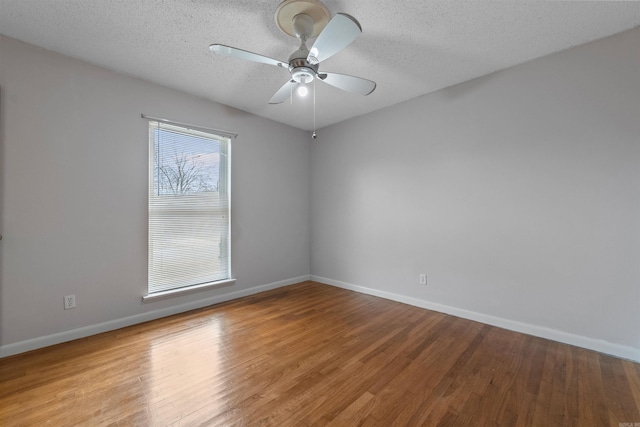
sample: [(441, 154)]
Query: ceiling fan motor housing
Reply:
[(302, 71)]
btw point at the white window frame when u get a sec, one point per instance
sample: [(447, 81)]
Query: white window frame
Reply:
[(153, 293)]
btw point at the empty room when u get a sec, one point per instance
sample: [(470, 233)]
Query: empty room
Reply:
[(319, 213)]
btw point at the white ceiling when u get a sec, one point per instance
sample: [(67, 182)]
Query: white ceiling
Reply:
[(409, 47)]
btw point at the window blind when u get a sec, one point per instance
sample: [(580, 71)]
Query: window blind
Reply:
[(189, 207)]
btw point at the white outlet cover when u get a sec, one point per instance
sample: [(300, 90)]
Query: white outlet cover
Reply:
[(69, 302)]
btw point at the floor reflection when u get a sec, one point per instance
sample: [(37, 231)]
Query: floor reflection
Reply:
[(182, 365)]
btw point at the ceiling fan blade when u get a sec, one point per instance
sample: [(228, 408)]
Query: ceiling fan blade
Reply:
[(234, 52), (338, 34), (283, 93), (349, 83)]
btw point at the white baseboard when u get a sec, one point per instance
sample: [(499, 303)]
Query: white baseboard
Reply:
[(601, 346), (85, 331)]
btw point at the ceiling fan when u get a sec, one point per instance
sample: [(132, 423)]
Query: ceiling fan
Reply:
[(306, 19)]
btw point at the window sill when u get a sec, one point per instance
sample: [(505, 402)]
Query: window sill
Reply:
[(156, 296)]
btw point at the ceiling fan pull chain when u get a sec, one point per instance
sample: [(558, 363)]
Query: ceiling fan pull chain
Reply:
[(314, 135)]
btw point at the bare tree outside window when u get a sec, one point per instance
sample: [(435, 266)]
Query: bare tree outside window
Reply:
[(180, 171), (184, 174)]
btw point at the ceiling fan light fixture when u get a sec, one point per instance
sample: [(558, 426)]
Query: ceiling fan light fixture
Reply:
[(303, 90), (303, 75)]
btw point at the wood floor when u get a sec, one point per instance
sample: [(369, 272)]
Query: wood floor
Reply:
[(312, 354)]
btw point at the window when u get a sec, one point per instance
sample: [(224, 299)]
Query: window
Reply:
[(189, 221)]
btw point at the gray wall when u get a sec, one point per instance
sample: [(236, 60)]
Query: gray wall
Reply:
[(74, 175), (517, 193)]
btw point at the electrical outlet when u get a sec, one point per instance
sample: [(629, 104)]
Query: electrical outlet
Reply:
[(423, 278), (69, 302)]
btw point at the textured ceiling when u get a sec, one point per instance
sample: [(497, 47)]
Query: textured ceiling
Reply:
[(409, 47)]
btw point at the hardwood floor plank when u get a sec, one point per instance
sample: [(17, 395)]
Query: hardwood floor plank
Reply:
[(632, 375), (315, 355), (618, 388), (354, 413)]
